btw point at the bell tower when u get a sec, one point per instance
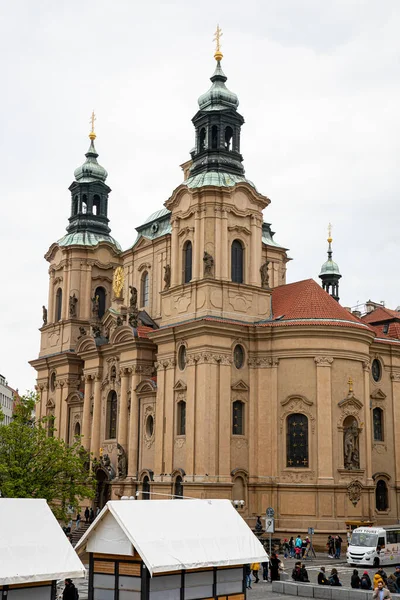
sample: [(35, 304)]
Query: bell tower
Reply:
[(330, 273)]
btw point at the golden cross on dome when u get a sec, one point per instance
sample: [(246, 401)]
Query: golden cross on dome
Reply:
[(92, 134), (350, 382), (217, 39), (330, 232)]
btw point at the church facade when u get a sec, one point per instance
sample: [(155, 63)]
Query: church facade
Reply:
[(189, 367)]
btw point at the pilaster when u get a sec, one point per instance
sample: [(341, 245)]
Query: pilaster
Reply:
[(368, 424), (175, 271), (395, 377), (123, 407), (134, 426), (323, 366), (96, 420), (87, 401)]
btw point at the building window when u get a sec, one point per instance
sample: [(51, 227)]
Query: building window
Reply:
[(182, 357), (50, 424), (178, 487), (376, 370), (52, 382), (228, 138), (150, 426), (146, 488), (238, 418), (144, 289), (57, 314), (100, 295), (377, 418), (202, 139), (237, 261), (77, 430), (112, 409), (381, 495), (187, 262), (96, 205), (214, 137), (181, 421), (297, 441), (238, 356), (75, 205)]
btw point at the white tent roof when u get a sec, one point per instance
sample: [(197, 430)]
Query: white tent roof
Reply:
[(171, 535), (33, 547)]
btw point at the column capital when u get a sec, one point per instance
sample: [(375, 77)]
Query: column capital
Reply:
[(366, 365), (125, 371), (395, 376), (323, 361)]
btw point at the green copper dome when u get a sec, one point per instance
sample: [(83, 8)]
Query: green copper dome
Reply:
[(329, 268), (90, 170), (87, 238), (218, 96)]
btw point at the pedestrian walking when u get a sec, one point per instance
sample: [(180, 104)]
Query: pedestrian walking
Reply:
[(285, 548), (338, 546), (91, 515), (291, 547), (274, 565), (255, 567), (70, 592), (87, 514), (355, 580), (297, 546), (97, 511), (322, 578), (248, 577), (380, 592), (331, 546), (265, 570), (78, 521)]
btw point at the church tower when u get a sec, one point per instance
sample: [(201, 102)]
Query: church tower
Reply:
[(330, 273)]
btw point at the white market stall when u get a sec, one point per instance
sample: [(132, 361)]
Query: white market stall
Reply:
[(34, 551), (169, 550)]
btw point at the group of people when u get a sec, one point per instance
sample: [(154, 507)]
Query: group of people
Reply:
[(385, 584), (270, 570), (334, 545), (296, 548), (89, 515), (332, 579)]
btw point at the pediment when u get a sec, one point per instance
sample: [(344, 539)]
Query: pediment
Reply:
[(298, 399), (180, 386), (240, 386), (146, 386), (350, 402), (378, 394), (85, 343)]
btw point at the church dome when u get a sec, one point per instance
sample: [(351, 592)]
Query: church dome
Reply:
[(329, 268), (90, 170), (218, 97)]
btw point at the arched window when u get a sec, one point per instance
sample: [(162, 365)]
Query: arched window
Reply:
[(53, 377), (144, 289), (238, 418), (100, 294), (57, 314), (77, 430), (96, 205), (146, 488), (112, 409), (202, 139), (181, 418), (178, 487), (50, 423), (377, 417), (214, 137), (75, 205), (228, 137), (187, 262), (237, 261), (381, 495), (84, 204), (297, 441)]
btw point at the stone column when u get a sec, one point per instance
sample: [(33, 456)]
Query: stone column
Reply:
[(264, 410), (224, 418), (253, 413), (224, 246), (159, 425), (175, 271), (59, 399), (169, 422), (196, 273), (87, 401), (368, 424), (123, 408), (190, 415), (274, 364), (96, 420), (134, 425), (324, 418), (395, 376)]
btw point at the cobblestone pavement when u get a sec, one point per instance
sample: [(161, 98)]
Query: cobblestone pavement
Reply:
[(263, 590)]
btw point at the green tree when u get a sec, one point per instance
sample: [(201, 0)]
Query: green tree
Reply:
[(35, 464)]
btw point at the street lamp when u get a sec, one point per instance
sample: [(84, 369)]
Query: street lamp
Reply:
[(238, 504)]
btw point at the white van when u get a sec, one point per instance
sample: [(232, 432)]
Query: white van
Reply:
[(374, 546)]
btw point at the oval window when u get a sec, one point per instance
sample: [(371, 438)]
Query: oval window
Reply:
[(150, 426), (376, 370), (238, 356), (182, 358)]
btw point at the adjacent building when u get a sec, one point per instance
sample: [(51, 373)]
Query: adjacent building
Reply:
[(189, 366), (6, 400)]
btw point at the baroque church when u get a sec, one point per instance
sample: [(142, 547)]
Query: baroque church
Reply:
[(188, 367)]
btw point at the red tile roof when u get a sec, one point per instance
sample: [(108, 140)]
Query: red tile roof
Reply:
[(143, 330), (381, 314)]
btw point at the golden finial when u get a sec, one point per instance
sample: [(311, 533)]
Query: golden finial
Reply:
[(217, 39), (101, 452), (92, 134), (330, 233), (350, 382)]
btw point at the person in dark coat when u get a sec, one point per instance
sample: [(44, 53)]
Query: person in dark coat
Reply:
[(87, 513), (334, 578), (382, 573), (274, 563), (366, 583), (322, 578), (304, 574), (265, 570), (296, 573), (91, 515), (355, 580), (70, 592)]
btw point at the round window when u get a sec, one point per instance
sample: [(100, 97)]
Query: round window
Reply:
[(238, 356), (182, 357), (376, 370), (149, 426)]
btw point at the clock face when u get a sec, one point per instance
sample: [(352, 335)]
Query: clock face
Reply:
[(376, 370)]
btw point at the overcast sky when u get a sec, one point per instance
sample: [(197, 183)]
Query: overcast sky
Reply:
[(319, 88)]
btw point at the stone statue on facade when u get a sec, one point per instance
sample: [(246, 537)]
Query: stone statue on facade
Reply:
[(208, 261), (73, 300), (264, 275), (44, 315), (351, 451), (119, 321), (96, 331), (95, 307), (82, 332), (106, 465), (122, 462), (167, 277), (133, 298), (133, 317)]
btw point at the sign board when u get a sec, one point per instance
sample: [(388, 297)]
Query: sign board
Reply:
[(270, 525), (270, 512), (310, 530)]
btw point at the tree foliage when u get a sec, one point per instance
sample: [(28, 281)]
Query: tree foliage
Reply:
[(35, 464)]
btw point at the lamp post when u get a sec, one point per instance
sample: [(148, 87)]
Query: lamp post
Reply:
[(238, 504)]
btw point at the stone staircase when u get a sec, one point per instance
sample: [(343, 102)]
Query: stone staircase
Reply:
[(76, 534)]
